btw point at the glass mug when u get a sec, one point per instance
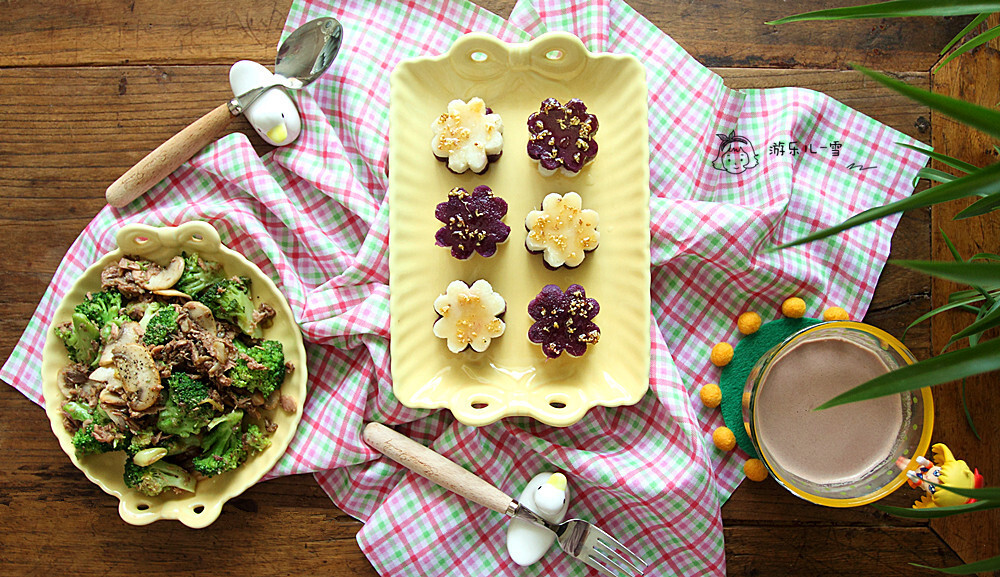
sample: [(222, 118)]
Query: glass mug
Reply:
[(844, 456)]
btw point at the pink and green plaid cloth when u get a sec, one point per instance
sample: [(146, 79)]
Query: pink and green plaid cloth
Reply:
[(731, 173)]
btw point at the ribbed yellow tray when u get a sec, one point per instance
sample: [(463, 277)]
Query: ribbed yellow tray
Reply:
[(513, 377)]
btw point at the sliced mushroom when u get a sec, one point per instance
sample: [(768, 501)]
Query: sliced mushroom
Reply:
[(117, 418), (167, 277), (221, 354), (111, 397), (201, 314), (139, 375), (169, 293), (102, 374), (65, 387), (128, 334)]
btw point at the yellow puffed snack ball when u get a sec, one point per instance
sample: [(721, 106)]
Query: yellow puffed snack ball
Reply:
[(794, 308), (754, 470), (724, 439), (711, 395), (722, 353), (748, 323), (835, 314)]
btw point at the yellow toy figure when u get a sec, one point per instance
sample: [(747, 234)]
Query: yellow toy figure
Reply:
[(945, 470)]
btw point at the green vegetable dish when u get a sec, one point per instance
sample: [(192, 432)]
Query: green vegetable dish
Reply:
[(168, 364)]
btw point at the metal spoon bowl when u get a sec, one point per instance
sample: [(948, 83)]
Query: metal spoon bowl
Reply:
[(302, 58)]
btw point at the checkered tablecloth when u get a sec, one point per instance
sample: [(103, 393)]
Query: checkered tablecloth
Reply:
[(731, 173)]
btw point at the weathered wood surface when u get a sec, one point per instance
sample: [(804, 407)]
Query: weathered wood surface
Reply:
[(979, 538), (89, 87)]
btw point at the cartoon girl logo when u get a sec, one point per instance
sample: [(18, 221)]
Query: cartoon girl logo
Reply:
[(735, 154)]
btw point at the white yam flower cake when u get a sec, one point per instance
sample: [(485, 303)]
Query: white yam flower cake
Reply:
[(469, 316), (468, 136), (563, 231)]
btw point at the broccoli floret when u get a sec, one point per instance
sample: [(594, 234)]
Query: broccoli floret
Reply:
[(82, 339), (157, 477), (148, 309), (84, 440), (222, 446), (265, 373), (198, 274), (141, 440), (229, 300), (176, 445), (101, 307), (187, 409), (161, 325), (254, 440), (111, 325)]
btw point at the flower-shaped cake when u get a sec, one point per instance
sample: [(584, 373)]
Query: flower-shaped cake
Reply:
[(473, 222), (469, 316), (561, 137), (563, 231), (468, 136), (563, 320)]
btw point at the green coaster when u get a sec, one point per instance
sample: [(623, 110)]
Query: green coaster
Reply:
[(746, 353)]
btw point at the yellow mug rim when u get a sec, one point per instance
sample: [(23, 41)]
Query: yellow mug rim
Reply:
[(925, 435)]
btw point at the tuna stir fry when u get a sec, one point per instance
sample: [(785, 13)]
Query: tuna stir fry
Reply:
[(168, 365)]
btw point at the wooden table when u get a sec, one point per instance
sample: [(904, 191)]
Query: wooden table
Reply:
[(89, 87)]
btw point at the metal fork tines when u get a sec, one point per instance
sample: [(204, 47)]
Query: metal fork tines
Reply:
[(589, 544), (579, 539)]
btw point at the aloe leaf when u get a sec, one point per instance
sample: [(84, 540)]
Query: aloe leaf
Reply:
[(986, 180), (977, 41), (943, 158), (985, 256), (937, 512), (934, 174), (895, 9), (968, 415), (988, 204), (934, 371), (979, 117), (983, 274), (972, 26), (991, 564), (940, 310)]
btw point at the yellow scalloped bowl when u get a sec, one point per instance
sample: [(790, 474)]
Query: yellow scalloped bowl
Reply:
[(202, 507), (513, 377)]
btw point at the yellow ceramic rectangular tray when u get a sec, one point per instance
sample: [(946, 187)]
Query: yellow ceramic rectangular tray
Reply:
[(513, 377)]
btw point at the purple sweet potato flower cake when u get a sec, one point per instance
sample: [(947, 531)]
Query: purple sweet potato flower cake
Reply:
[(561, 137), (473, 222), (563, 320)]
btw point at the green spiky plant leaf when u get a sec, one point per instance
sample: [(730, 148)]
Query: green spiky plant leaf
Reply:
[(980, 271), (896, 9), (991, 564)]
